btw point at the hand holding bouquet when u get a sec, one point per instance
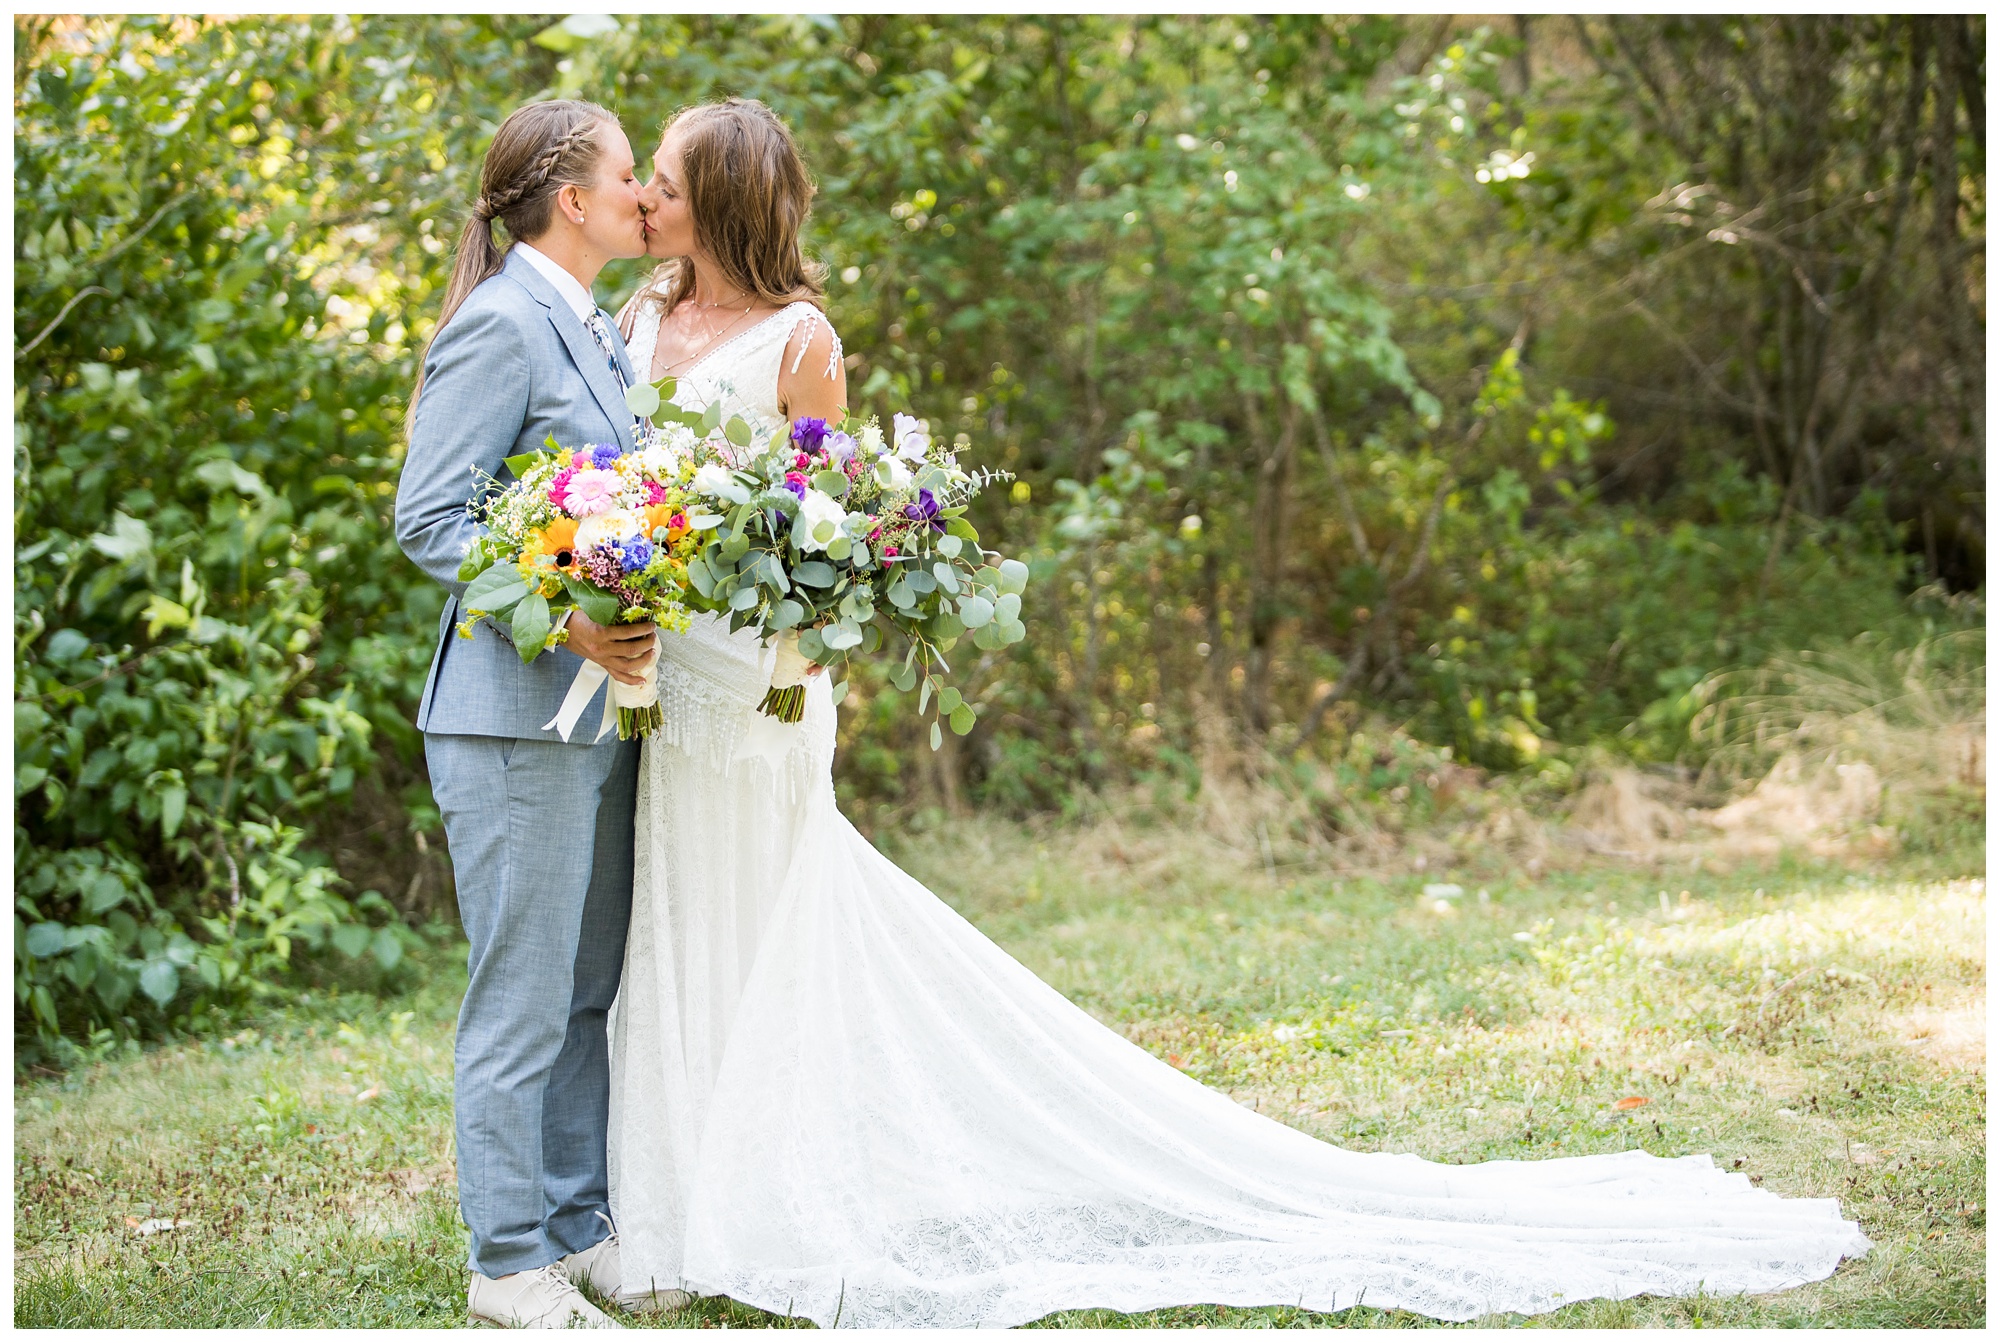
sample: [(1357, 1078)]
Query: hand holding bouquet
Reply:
[(830, 534), (598, 530)]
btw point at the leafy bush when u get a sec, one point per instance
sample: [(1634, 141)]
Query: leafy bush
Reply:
[(211, 621)]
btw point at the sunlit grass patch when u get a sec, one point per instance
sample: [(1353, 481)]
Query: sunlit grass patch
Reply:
[(1809, 1026)]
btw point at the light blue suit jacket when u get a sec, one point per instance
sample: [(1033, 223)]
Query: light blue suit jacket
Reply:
[(512, 367)]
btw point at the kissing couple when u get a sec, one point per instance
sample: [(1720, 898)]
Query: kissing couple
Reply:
[(713, 1042)]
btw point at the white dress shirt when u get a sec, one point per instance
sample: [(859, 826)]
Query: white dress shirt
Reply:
[(574, 294)]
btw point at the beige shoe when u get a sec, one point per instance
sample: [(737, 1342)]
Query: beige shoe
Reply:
[(598, 1266), (541, 1298)]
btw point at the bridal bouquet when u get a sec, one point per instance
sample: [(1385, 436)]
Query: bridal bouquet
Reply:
[(598, 530), (830, 534)]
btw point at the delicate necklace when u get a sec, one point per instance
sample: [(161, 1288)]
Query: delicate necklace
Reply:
[(703, 347)]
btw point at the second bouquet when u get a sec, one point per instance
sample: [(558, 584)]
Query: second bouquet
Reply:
[(828, 534)]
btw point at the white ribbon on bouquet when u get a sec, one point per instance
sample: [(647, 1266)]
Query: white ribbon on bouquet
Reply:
[(766, 736), (590, 676)]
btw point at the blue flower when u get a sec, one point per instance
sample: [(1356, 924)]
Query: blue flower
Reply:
[(602, 455), (635, 553)]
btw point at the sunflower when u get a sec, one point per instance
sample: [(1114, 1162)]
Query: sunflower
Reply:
[(557, 540)]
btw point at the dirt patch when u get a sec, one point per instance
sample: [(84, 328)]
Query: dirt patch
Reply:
[(1954, 1037)]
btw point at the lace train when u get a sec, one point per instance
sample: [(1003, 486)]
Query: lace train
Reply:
[(832, 1097)]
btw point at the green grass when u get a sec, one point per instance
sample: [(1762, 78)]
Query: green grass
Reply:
[(1817, 1028)]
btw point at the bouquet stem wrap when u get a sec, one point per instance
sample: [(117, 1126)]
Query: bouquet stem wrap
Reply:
[(633, 709), (786, 699)]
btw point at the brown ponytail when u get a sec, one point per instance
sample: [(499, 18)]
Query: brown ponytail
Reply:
[(538, 150)]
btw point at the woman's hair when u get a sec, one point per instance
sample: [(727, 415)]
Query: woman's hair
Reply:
[(749, 194), (538, 150)]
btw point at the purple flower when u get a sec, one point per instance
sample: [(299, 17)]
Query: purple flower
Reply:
[(840, 447), (602, 455), (924, 510), (796, 483), (809, 432), (635, 553)]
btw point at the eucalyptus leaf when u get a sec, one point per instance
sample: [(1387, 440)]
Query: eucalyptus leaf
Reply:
[(949, 699), (786, 614), (949, 546), (974, 611), (1013, 576), (815, 574), (830, 482), (937, 737), (642, 400), (736, 431), (701, 577), (962, 719)]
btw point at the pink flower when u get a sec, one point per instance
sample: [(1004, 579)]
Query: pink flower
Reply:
[(592, 492), (656, 493), (559, 487), (581, 459), (801, 461), (889, 552)]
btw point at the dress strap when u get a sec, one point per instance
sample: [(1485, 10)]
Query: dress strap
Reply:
[(803, 317)]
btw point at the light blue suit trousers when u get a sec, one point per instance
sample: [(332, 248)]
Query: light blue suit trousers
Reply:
[(540, 830)]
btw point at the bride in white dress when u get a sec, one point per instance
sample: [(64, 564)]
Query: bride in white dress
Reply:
[(833, 1097)]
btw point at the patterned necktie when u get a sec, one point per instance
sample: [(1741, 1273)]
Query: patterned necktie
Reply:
[(600, 331)]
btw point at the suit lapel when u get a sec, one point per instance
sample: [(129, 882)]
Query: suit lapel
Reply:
[(583, 350)]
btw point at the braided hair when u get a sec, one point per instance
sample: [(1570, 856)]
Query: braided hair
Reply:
[(538, 150)]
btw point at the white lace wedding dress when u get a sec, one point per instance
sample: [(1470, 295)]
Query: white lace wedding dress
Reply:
[(833, 1097)]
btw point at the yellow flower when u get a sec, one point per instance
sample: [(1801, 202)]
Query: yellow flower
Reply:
[(557, 541)]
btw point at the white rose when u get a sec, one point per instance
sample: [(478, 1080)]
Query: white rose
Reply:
[(870, 439), (899, 475), (712, 480), (616, 525), (817, 508)]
